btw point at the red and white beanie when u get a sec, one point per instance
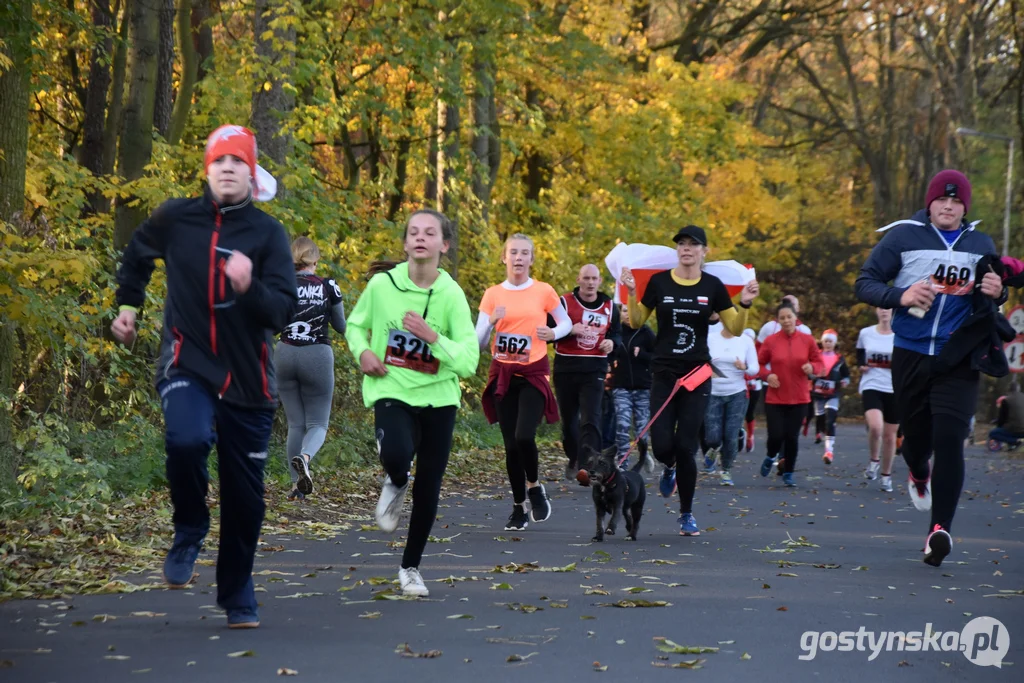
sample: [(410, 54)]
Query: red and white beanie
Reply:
[(829, 334), (240, 142)]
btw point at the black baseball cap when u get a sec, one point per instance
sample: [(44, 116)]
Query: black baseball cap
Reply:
[(691, 231)]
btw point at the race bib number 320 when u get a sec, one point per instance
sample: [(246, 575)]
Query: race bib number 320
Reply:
[(408, 351), (512, 348)]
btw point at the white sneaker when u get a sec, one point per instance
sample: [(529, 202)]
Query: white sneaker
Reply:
[(873, 468), (412, 582), (923, 502), (887, 484), (389, 507), (648, 464)]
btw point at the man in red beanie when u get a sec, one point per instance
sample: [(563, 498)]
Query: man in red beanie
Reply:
[(230, 290), (931, 261)]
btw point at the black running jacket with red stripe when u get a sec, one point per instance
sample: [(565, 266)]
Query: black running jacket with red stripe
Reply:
[(210, 333)]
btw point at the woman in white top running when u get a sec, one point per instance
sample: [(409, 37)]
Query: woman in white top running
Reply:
[(732, 357), (874, 356)]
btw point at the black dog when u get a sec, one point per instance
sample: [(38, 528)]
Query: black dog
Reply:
[(615, 491)]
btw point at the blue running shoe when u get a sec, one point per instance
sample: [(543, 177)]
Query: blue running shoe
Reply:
[(788, 480), (709, 460), (688, 525), (243, 618), (766, 466), (667, 485), (181, 561)]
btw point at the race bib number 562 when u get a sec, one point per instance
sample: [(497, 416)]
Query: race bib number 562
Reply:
[(512, 348), (410, 352)]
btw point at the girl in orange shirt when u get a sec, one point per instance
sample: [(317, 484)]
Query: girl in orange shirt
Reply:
[(518, 392)]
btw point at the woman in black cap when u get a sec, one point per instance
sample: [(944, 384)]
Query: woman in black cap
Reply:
[(684, 300)]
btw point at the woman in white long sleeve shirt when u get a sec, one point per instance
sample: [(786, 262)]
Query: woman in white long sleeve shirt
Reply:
[(732, 357)]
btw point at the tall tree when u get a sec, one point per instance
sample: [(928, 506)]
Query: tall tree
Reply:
[(272, 101), (164, 101), (91, 155), (486, 146), (17, 28), (135, 146), (189, 71)]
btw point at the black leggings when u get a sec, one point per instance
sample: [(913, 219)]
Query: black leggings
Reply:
[(752, 403), (784, 422), (402, 432), (579, 405), (519, 414), (826, 423), (675, 434)]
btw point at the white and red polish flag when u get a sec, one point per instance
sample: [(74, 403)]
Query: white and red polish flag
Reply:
[(645, 260)]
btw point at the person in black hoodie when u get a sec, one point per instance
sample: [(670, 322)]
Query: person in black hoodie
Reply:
[(230, 289), (581, 362), (631, 390)]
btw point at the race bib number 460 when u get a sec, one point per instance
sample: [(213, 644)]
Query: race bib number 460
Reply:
[(952, 279), (512, 348), (410, 352)]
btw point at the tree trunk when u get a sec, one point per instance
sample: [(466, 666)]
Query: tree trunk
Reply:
[(164, 103), (447, 154), (486, 146), (189, 69), (136, 140), (14, 96), (402, 160), (272, 103), (115, 112), (96, 102), (203, 34)]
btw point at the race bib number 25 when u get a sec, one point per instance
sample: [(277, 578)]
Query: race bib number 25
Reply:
[(512, 348), (410, 352)]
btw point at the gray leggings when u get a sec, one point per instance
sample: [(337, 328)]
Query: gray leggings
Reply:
[(305, 380)]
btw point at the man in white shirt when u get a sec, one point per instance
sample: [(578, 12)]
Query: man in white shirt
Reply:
[(733, 358)]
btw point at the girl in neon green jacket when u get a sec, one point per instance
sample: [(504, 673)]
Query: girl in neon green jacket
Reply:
[(413, 335)]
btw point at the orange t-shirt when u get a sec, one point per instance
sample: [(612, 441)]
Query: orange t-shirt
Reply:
[(515, 338)]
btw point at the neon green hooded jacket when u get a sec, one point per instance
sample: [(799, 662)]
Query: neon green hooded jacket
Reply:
[(418, 374)]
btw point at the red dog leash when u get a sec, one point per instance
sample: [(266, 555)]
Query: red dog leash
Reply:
[(690, 381)]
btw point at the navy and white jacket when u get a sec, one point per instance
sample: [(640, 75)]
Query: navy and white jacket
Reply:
[(915, 250)]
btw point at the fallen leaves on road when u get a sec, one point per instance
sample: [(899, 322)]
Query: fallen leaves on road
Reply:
[(635, 603), (242, 653), (686, 664), (283, 671), (370, 615), (665, 645), (520, 658), (404, 650)]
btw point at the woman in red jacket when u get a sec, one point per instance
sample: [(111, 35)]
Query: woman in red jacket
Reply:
[(793, 357)]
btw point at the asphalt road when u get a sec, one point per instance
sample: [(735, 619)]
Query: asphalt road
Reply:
[(836, 554)]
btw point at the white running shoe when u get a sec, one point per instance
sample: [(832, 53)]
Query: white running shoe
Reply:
[(922, 500), (389, 507), (874, 467), (886, 484), (412, 583), (938, 546)]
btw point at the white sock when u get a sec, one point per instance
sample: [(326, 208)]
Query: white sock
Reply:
[(830, 442)]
